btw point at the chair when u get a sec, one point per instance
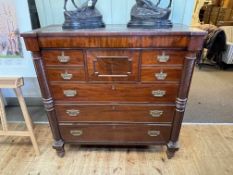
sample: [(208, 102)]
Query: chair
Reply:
[(16, 83)]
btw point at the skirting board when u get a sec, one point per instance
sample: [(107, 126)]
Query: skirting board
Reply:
[(185, 124), (30, 101)]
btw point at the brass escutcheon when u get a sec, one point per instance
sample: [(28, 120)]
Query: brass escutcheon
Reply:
[(66, 76), (62, 58), (70, 93), (76, 133), (156, 113), (163, 58), (161, 75), (159, 93), (153, 133), (73, 112)]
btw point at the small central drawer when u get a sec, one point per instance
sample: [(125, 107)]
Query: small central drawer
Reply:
[(161, 74), (66, 74), (115, 133), (163, 57), (116, 93), (115, 113), (113, 65), (63, 57)]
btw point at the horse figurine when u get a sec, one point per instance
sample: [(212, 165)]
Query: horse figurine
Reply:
[(146, 14), (65, 4), (84, 17)]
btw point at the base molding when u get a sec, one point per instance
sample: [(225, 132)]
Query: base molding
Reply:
[(30, 101)]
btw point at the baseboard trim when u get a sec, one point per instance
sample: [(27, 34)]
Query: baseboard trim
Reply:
[(30, 101), (22, 122), (185, 124), (208, 124)]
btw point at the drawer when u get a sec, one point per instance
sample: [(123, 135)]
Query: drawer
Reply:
[(66, 74), (63, 57), (113, 65), (163, 57), (116, 93), (115, 113), (115, 134), (160, 74)]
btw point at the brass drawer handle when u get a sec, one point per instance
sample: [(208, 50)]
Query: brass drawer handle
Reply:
[(161, 75), (66, 76), (70, 93), (163, 58), (76, 133), (156, 113), (72, 112), (159, 93), (62, 58), (153, 133)]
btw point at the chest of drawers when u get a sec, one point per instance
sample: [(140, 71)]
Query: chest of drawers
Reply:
[(115, 86)]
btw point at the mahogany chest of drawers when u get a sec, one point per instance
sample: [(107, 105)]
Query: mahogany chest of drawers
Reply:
[(115, 86)]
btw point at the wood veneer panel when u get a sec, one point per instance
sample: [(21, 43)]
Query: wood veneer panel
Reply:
[(116, 133), (116, 93), (115, 113)]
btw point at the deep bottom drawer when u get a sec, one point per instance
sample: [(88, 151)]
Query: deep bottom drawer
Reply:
[(116, 134)]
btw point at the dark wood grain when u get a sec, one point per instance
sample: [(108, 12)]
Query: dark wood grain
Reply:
[(48, 103), (116, 113), (31, 44), (150, 57), (114, 42), (57, 74), (149, 74), (181, 101), (116, 133), (116, 93), (50, 57), (109, 65), (113, 77)]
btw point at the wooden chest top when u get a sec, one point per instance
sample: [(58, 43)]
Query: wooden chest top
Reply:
[(115, 36)]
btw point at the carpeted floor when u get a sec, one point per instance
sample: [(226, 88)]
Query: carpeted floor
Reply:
[(211, 96), (210, 100)]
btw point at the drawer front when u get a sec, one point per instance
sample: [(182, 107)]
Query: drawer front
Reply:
[(116, 134), (90, 40), (115, 113), (63, 57), (165, 57), (63, 74), (117, 93), (161, 74), (111, 65)]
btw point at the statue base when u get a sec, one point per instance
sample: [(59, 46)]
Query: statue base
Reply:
[(74, 20), (150, 24)]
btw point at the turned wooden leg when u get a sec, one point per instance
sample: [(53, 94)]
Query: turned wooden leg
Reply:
[(172, 147), (59, 146)]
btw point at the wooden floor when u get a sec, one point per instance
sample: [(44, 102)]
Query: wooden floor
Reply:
[(205, 150)]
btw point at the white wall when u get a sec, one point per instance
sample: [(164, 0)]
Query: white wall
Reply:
[(114, 11), (21, 66), (24, 66)]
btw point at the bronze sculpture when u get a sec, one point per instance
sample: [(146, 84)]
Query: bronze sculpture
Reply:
[(72, 3), (146, 14), (84, 17)]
